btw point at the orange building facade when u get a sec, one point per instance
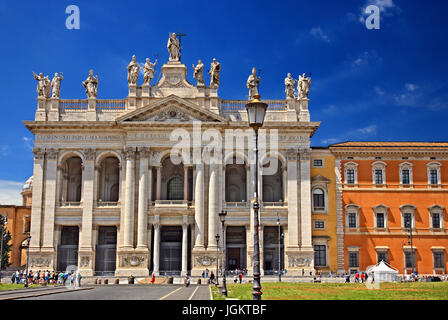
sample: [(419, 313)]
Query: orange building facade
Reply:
[(391, 200)]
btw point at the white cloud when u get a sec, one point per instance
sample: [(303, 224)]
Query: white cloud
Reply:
[(10, 192), (28, 143), (356, 134), (4, 150), (330, 109), (366, 131), (411, 87), (319, 34), (330, 141), (379, 91)]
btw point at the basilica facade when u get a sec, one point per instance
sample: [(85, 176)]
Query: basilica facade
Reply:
[(109, 198)]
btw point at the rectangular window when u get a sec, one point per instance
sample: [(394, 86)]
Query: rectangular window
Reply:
[(382, 256), (353, 260), (319, 224), (27, 225), (405, 177), (439, 260), (350, 176), (407, 220), (380, 220), (320, 256), (433, 176), (436, 221), (318, 163), (378, 176), (409, 259), (352, 220)]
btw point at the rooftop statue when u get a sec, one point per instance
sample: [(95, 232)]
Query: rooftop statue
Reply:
[(91, 85), (290, 84), (252, 84), (304, 86), (133, 71), (148, 70), (173, 47), (43, 86), (199, 73), (215, 68), (56, 85)]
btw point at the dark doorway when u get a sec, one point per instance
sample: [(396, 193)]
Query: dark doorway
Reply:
[(270, 250), (236, 248), (68, 248), (106, 251), (171, 250)]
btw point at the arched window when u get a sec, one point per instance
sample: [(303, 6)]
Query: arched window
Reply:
[(272, 187), (109, 180), (235, 182), (175, 189), (72, 178), (318, 199)]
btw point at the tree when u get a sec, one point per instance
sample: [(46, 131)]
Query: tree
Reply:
[(5, 237)]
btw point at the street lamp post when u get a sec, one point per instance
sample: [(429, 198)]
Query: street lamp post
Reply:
[(222, 216), (28, 239), (217, 258), (279, 251), (4, 223), (256, 111)]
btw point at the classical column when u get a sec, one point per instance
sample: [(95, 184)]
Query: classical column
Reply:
[(199, 206), (129, 199), (293, 213), (142, 199), (156, 246), (212, 205), (186, 183), (85, 242), (305, 199), (159, 183), (36, 206), (50, 199), (184, 245), (284, 184)]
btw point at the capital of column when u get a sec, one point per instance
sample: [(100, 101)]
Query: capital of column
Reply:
[(89, 154), (144, 152), (52, 154), (305, 154), (129, 153), (38, 153), (291, 155)]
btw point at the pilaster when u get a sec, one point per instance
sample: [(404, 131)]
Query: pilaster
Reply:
[(91, 109), (50, 200)]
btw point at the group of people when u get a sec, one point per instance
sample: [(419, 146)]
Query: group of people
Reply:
[(46, 277), (360, 277), (237, 275)]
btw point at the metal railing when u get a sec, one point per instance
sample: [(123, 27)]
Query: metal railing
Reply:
[(239, 105), (274, 204), (101, 105), (170, 203), (100, 203)]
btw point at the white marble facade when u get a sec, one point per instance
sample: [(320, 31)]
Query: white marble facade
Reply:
[(102, 166)]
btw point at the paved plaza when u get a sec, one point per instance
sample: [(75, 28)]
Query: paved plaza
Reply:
[(133, 292)]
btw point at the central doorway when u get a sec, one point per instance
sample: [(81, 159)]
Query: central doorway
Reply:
[(236, 248), (68, 249), (171, 250), (106, 251)]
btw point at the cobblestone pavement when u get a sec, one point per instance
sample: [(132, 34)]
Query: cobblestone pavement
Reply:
[(133, 292)]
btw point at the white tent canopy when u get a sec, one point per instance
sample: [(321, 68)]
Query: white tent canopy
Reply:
[(382, 272)]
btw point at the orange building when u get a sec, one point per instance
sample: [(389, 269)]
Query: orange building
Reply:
[(391, 200), (19, 222)]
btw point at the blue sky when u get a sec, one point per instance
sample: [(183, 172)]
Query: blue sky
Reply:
[(387, 84)]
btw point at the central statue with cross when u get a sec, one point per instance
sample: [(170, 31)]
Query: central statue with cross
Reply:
[(175, 45)]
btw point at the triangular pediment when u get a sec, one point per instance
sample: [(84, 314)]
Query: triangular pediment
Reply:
[(320, 178), (171, 109)]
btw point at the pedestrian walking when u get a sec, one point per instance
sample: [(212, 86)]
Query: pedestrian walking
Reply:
[(347, 278), (13, 278), (79, 279), (153, 278), (235, 279), (187, 280), (241, 277), (362, 277), (212, 277)]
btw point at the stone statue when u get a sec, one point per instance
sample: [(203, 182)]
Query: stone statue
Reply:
[(290, 84), (304, 86), (56, 85), (148, 70), (252, 84), (199, 73), (173, 47), (91, 85), (43, 86), (214, 73), (133, 71)]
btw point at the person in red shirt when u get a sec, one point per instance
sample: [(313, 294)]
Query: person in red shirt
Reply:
[(241, 277)]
